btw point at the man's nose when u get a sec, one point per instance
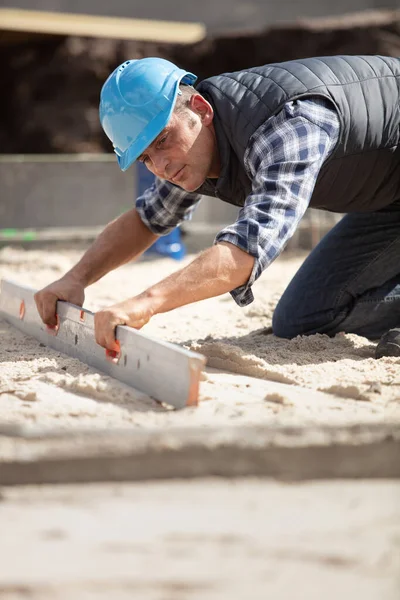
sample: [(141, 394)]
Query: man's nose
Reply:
[(160, 164)]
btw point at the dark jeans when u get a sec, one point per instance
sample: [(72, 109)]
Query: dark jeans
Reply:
[(350, 282)]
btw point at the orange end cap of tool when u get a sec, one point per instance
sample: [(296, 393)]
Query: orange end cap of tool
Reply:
[(22, 310)]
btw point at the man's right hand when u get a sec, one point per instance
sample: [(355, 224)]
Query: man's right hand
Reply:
[(67, 288)]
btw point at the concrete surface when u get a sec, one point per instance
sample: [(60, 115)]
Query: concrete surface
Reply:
[(204, 540), (289, 453), (63, 191)]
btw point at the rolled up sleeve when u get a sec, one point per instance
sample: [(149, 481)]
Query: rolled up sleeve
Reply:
[(163, 206), (283, 160)]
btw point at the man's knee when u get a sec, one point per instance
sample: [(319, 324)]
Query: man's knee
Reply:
[(286, 320), (289, 321), (283, 326)]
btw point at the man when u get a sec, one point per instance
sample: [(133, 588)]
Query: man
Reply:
[(273, 140)]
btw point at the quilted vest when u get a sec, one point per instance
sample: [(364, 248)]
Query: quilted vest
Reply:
[(363, 171)]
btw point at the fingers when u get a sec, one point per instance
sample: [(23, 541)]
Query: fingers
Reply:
[(105, 322), (47, 307), (67, 289)]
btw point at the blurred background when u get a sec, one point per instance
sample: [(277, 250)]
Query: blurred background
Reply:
[(56, 165), (217, 15)]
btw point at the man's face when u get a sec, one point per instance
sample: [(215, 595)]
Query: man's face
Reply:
[(185, 152)]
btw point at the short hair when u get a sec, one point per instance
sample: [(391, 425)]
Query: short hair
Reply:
[(183, 99)]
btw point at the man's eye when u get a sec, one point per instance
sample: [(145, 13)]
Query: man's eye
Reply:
[(161, 141)]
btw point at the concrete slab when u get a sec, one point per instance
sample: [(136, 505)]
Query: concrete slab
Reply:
[(289, 453), (202, 540), (40, 191)]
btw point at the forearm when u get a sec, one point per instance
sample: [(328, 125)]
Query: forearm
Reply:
[(122, 240), (217, 270)]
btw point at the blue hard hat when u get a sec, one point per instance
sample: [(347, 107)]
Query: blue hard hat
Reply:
[(136, 103)]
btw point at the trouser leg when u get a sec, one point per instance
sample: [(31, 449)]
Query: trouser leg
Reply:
[(350, 282)]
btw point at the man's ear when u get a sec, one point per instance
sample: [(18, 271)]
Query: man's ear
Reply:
[(199, 105)]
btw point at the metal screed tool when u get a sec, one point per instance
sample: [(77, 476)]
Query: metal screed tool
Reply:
[(166, 372)]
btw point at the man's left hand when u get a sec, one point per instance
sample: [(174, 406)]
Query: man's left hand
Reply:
[(134, 312)]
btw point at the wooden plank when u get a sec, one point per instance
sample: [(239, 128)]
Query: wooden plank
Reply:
[(166, 372), (55, 23)]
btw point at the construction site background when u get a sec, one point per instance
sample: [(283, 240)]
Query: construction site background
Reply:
[(217, 15), (51, 85)]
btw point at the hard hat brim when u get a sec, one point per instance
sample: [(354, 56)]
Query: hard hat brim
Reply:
[(148, 135), (153, 129)]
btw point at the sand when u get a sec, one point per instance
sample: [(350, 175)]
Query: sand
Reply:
[(209, 539), (251, 377)]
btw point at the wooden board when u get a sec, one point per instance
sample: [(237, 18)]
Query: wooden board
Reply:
[(55, 23)]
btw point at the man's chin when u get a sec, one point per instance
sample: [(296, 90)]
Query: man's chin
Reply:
[(191, 186)]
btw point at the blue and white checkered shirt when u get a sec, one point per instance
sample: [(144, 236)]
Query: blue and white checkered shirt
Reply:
[(283, 162)]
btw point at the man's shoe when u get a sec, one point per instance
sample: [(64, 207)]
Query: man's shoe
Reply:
[(389, 344)]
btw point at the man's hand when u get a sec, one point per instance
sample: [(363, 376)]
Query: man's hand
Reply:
[(67, 288), (134, 312), (215, 271)]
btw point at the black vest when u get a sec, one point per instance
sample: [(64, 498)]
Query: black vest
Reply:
[(362, 173)]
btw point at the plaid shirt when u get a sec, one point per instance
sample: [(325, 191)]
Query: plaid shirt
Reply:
[(283, 162)]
